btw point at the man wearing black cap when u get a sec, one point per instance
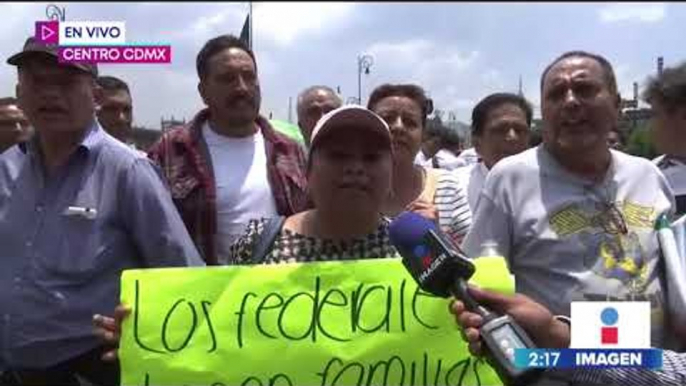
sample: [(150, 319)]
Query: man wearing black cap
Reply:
[(77, 208)]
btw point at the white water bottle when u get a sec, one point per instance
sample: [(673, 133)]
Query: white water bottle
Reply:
[(489, 249)]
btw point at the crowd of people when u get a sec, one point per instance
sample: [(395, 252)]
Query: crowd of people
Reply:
[(573, 215)]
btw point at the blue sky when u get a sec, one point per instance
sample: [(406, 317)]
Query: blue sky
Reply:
[(459, 52)]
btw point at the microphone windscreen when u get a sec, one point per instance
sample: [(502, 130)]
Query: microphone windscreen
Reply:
[(408, 230)]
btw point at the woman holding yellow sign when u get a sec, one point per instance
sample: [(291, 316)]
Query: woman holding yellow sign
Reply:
[(349, 172)]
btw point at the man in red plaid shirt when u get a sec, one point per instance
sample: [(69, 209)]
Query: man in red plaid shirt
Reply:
[(228, 165)]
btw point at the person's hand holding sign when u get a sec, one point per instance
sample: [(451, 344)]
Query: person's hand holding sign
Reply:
[(109, 330)]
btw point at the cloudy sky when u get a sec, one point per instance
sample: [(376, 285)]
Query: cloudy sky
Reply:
[(459, 52)]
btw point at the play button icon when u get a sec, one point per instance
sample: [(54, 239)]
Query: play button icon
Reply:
[(47, 32)]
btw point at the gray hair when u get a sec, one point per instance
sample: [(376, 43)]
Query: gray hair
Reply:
[(312, 89)]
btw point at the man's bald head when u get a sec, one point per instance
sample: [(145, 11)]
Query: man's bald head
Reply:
[(313, 102)]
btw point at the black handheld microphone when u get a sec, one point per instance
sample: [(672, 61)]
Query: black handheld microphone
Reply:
[(442, 269)]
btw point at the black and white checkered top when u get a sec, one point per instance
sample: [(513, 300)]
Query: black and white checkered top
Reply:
[(290, 246)]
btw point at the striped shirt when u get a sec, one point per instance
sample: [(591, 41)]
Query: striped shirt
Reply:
[(454, 216)]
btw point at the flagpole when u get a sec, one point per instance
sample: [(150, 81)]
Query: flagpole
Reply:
[(250, 25)]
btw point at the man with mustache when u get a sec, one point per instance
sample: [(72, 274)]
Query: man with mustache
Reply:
[(575, 219), (228, 165), (77, 207)]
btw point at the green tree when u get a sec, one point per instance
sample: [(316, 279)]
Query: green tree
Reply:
[(641, 144)]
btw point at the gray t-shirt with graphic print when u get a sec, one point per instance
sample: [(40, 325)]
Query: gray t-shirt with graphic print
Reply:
[(569, 239)]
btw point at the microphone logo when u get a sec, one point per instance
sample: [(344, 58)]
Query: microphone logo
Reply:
[(422, 252)]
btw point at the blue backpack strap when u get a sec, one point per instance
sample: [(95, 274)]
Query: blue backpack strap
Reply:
[(264, 244)]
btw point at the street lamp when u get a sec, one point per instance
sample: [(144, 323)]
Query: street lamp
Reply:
[(53, 12), (364, 62)]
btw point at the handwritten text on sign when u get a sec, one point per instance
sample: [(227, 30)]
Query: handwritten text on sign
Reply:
[(336, 323)]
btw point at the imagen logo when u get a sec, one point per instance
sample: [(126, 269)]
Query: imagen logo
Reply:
[(423, 252), (604, 335), (609, 334), (610, 325)]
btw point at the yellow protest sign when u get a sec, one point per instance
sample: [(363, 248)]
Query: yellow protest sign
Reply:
[(361, 322)]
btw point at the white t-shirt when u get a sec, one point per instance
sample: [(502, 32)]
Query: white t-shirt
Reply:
[(468, 156), (560, 234), (675, 171), (242, 185), (472, 179)]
